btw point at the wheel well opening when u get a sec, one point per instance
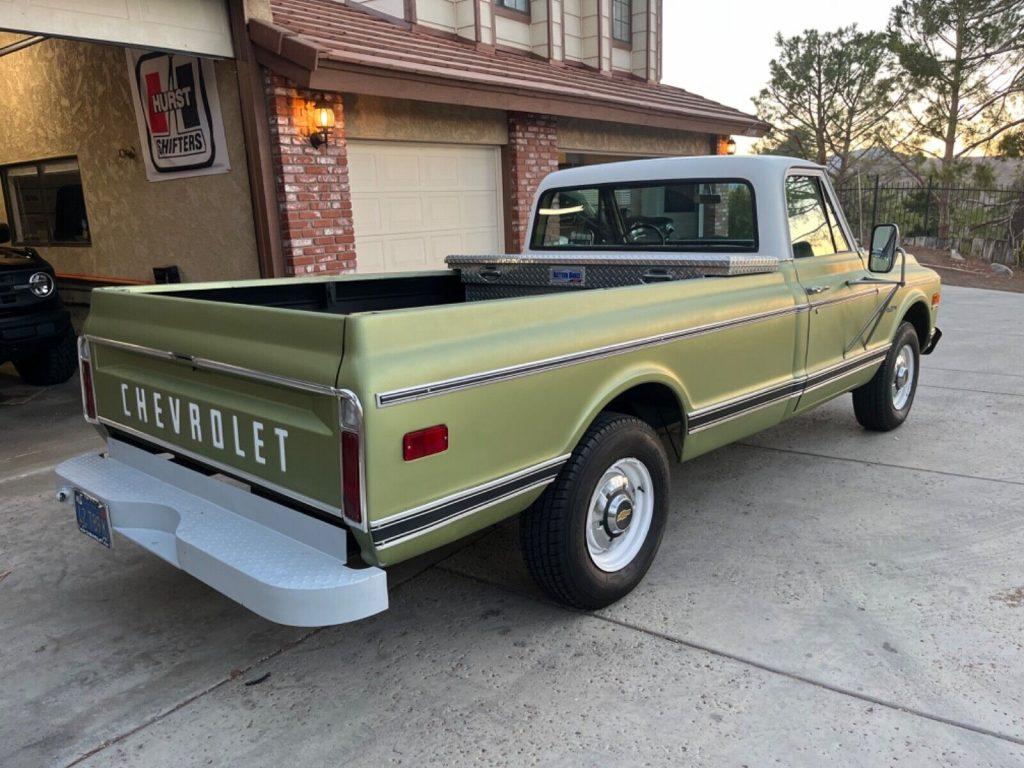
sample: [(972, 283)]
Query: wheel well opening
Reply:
[(919, 317), (657, 405)]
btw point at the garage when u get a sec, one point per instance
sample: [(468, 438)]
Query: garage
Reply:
[(413, 204)]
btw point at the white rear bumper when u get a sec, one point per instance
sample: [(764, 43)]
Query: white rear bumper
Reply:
[(286, 566)]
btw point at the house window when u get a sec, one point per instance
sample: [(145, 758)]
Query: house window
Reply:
[(523, 6), (45, 204), (622, 21)]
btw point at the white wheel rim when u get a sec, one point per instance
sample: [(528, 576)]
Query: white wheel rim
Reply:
[(626, 484), (903, 377)]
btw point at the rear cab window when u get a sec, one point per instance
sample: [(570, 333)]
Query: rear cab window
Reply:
[(678, 215)]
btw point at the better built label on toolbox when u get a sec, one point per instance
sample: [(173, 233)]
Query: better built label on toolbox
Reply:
[(178, 112)]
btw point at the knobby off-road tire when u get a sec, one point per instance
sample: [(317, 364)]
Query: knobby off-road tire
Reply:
[(884, 402), (624, 459), (53, 365)]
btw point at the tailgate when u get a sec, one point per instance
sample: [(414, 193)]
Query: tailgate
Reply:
[(244, 389)]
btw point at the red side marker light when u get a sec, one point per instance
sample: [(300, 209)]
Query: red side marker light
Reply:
[(425, 442)]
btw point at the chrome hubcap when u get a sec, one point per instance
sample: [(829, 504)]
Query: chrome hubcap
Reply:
[(903, 377), (620, 514)]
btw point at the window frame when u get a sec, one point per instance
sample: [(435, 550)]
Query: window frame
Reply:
[(16, 226), (501, 9), (644, 183), (618, 42), (830, 199)]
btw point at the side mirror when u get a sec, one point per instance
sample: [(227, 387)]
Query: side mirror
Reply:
[(5, 232), (885, 240)]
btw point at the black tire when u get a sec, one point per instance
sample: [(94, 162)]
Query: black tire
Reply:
[(553, 531), (873, 402), (53, 365)]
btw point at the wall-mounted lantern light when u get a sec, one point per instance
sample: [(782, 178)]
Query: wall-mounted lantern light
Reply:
[(726, 145), (321, 123)]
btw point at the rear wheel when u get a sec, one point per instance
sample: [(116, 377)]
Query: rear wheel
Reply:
[(589, 540), (54, 364), (884, 402)]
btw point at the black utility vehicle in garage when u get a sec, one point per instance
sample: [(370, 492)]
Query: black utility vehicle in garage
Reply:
[(35, 328)]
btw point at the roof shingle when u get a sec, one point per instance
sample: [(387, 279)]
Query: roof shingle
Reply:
[(340, 45)]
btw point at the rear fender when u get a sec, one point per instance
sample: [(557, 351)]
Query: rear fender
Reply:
[(623, 381)]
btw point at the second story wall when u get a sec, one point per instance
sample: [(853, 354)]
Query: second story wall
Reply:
[(570, 31)]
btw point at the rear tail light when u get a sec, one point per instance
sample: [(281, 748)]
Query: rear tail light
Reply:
[(351, 422), (85, 374), (425, 442), (351, 487)]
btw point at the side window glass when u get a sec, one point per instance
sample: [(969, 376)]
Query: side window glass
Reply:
[(809, 230), (842, 244)]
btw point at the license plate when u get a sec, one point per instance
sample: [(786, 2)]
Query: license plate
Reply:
[(93, 518)]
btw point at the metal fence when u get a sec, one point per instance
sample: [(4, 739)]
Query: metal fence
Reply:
[(986, 223)]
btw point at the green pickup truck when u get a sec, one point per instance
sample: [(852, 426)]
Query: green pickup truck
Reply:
[(285, 441)]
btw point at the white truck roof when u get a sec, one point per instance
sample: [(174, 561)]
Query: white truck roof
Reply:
[(766, 173)]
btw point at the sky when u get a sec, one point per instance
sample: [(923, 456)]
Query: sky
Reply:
[(721, 50)]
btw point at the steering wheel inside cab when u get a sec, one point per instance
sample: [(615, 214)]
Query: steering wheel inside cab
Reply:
[(645, 233)]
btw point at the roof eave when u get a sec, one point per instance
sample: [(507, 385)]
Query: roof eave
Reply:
[(302, 62)]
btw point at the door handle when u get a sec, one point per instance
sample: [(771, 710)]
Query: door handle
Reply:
[(814, 289)]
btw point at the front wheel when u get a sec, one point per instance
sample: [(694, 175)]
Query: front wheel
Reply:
[(589, 540), (884, 402)]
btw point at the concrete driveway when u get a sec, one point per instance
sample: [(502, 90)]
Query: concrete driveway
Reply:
[(823, 596)]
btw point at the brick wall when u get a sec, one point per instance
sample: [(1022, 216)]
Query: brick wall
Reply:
[(531, 154), (314, 200)]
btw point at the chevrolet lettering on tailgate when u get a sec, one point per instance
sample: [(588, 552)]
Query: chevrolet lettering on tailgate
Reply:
[(172, 414), (286, 441)]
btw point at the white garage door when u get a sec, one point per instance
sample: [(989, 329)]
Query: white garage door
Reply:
[(414, 204)]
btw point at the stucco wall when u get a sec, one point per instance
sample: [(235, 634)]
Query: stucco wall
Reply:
[(575, 135), (73, 98), (374, 117)]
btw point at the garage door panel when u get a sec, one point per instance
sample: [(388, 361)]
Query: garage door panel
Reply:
[(367, 211), (371, 256), (396, 172), (444, 212), (402, 214), (478, 210), (414, 204), (476, 173), (405, 254), (478, 241), (364, 167)]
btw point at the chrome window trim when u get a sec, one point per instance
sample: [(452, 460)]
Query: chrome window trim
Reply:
[(844, 299), (457, 383)]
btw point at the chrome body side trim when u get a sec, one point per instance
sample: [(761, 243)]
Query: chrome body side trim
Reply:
[(444, 386), (727, 410), (214, 365), (433, 515)]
